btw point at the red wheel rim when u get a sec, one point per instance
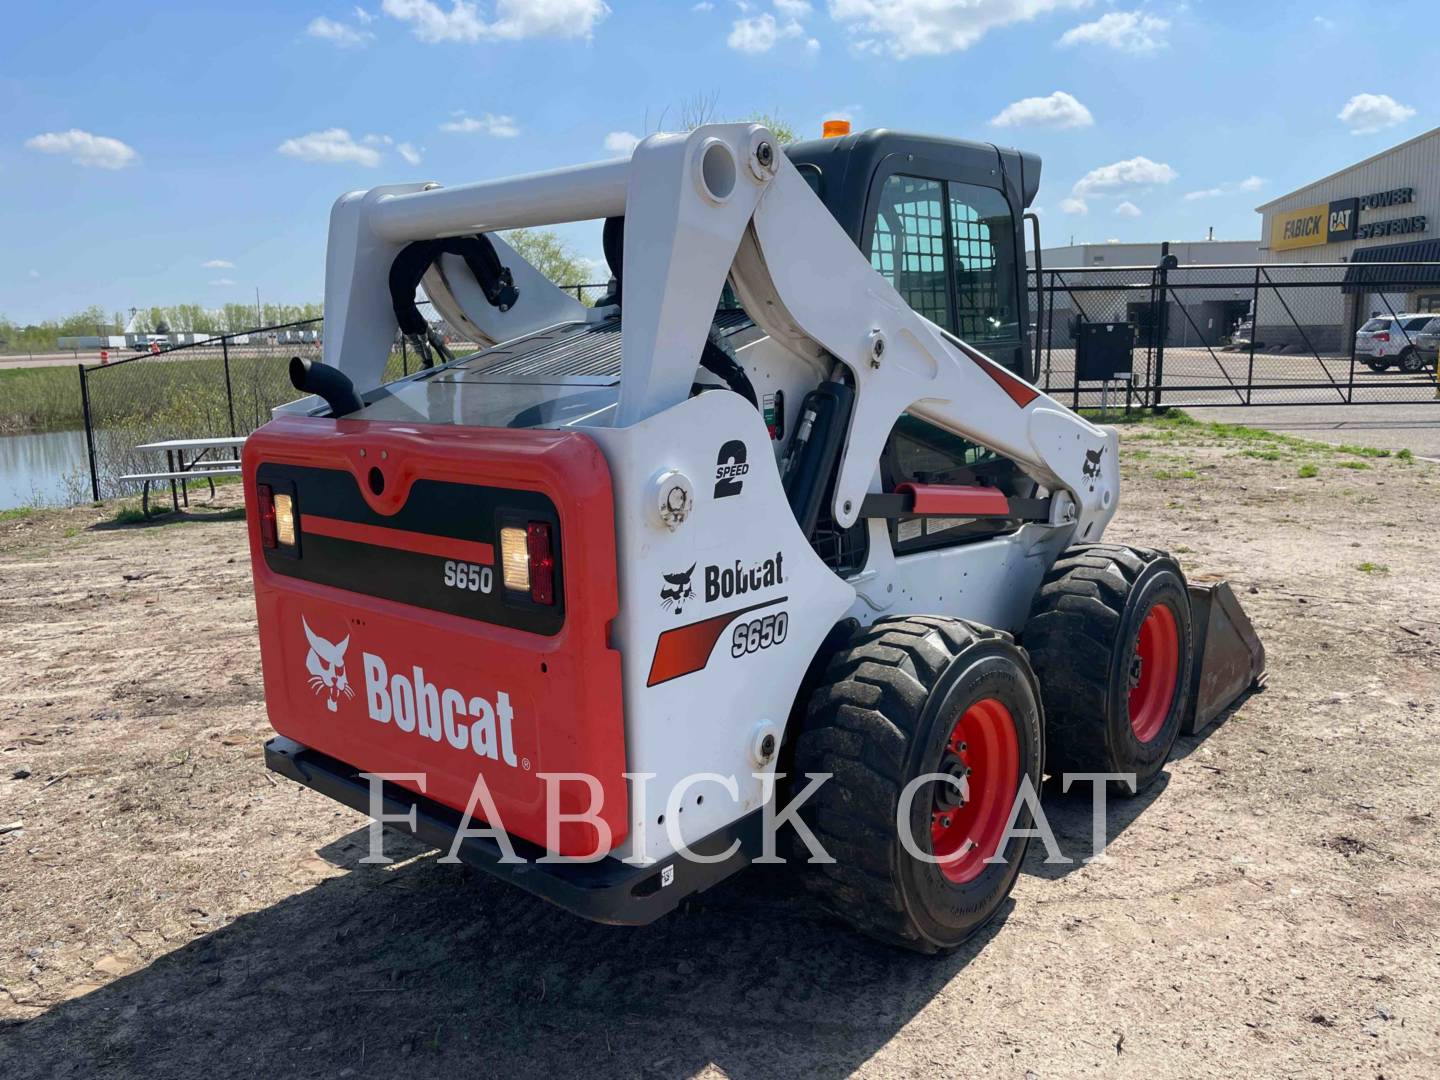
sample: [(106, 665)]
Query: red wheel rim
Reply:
[(968, 819), (1154, 672)]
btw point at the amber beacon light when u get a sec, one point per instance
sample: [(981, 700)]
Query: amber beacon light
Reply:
[(833, 129)]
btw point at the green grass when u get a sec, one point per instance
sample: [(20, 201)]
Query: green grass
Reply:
[(1181, 474), (1373, 568), (39, 399), (16, 513), (128, 514), (1309, 470), (1353, 464)]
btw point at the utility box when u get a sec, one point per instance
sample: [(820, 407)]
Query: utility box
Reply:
[(1104, 351)]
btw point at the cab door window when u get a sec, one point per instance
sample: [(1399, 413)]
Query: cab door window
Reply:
[(949, 250), (983, 261), (908, 245)]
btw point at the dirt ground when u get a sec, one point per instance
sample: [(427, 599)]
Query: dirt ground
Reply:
[(169, 909)]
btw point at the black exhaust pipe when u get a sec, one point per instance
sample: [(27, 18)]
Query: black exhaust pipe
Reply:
[(332, 384)]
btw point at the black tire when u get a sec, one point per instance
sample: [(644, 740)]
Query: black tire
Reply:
[(884, 714), (1411, 362), (1083, 637), (1376, 365)]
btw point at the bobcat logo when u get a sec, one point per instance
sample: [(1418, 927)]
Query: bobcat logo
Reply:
[(326, 664), (1092, 465), (677, 589)]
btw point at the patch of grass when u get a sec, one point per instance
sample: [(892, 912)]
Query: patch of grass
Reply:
[(16, 512), (39, 399), (1373, 568), (1406, 455), (1181, 474), (1364, 451), (1263, 455), (1353, 464), (1309, 470), (129, 514)]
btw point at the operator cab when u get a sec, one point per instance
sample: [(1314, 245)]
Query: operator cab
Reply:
[(943, 221)]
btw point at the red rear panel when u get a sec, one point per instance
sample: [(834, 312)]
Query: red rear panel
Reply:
[(390, 641)]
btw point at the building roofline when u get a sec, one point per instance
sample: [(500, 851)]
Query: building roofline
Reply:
[(1359, 164)]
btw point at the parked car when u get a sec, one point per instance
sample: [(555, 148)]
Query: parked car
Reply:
[(1393, 341), (1427, 343)]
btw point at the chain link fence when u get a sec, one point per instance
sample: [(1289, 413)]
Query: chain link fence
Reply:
[(1253, 334), (222, 386)]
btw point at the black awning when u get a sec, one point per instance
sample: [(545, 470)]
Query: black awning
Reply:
[(1368, 273)]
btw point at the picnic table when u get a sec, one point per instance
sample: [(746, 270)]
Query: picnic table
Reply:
[(198, 466)]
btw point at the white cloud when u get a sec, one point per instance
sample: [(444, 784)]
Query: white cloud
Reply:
[(1250, 183), (1074, 206), (83, 148), (1059, 110), (34, 273), (218, 264), (1132, 173), (333, 146), (337, 33), (793, 9), (1128, 31), (515, 19), (224, 281), (1127, 209), (409, 153), (704, 5), (812, 45), (933, 27), (760, 33), (503, 127), (621, 143), (1323, 23), (364, 17), (1365, 114)]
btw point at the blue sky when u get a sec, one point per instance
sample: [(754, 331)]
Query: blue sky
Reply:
[(140, 141)]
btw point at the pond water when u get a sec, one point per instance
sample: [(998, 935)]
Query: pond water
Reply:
[(34, 468)]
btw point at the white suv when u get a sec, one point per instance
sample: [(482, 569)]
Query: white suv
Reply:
[(1392, 340)]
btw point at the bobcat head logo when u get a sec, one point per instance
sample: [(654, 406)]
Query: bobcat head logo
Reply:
[(677, 589), (326, 664), (1091, 468)]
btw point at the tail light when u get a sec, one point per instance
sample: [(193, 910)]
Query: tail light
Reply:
[(542, 562), (265, 507), (527, 561), (279, 530), (1383, 335)]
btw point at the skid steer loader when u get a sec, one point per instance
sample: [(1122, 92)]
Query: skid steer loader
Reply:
[(762, 535)]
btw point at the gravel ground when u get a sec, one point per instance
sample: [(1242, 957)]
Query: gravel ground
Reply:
[(169, 909)]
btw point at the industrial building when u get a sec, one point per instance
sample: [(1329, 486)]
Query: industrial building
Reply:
[(1384, 209)]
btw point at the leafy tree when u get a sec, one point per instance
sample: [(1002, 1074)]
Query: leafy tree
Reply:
[(545, 250)]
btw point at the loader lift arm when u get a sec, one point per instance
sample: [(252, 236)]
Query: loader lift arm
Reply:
[(718, 203)]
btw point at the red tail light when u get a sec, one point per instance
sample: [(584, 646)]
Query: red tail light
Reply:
[(1383, 335), (265, 506), (542, 562)]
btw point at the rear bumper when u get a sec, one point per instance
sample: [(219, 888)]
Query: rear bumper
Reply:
[(607, 891)]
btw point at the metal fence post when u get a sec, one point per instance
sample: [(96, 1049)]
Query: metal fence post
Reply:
[(1354, 333), (89, 433), (1158, 321), (229, 392), (404, 357), (1254, 326)]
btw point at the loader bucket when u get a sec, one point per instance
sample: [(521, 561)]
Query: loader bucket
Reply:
[(1229, 658)]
